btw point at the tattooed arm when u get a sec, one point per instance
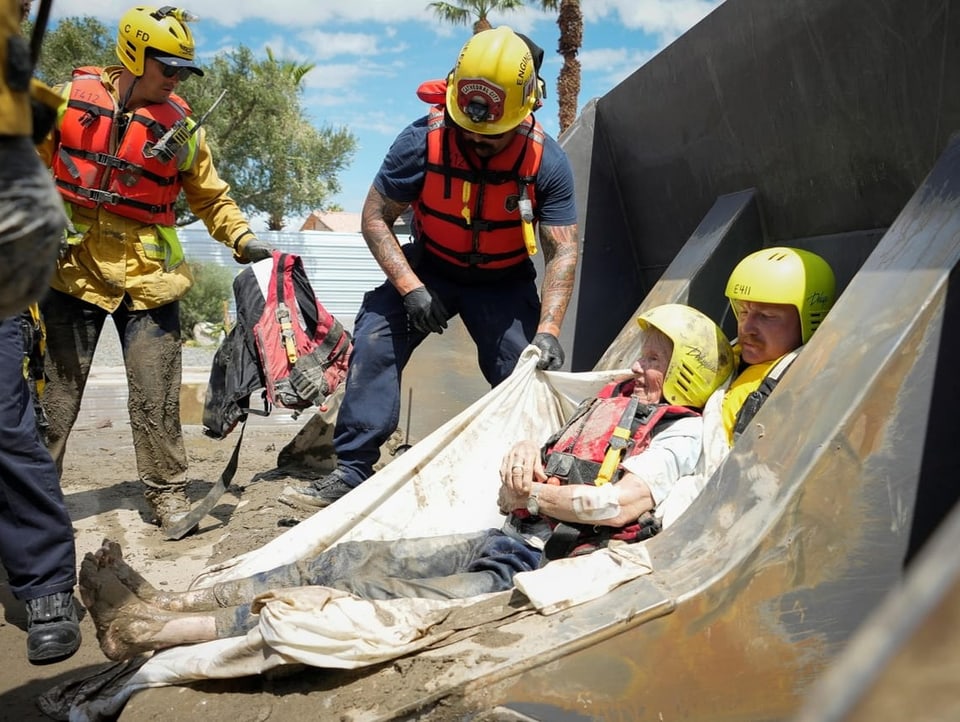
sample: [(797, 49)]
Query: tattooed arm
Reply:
[(560, 251), (376, 224)]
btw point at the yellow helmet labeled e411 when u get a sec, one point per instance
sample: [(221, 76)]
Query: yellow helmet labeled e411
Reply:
[(785, 275)]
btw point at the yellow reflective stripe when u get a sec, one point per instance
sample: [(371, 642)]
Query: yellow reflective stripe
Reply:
[(172, 248), (188, 151)]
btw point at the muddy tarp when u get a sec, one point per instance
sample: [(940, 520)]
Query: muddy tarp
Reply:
[(447, 483)]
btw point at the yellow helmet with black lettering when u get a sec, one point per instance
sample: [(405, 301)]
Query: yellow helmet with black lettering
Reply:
[(785, 275), (493, 87), (161, 33), (702, 357)]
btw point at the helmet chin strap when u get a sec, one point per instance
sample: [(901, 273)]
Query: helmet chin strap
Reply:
[(128, 92)]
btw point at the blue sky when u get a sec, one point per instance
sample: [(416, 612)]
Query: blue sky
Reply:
[(371, 55)]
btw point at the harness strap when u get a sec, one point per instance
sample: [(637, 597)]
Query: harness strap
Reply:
[(112, 161), (757, 398), (565, 539), (619, 442), (113, 199), (472, 258)]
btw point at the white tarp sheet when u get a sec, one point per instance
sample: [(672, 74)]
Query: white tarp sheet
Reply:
[(446, 483)]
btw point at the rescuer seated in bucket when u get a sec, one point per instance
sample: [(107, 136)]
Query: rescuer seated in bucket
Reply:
[(779, 296), (598, 478)]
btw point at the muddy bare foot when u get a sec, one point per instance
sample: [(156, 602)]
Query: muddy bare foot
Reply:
[(110, 556), (126, 626)]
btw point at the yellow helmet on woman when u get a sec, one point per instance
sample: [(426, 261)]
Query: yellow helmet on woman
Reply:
[(785, 275), (161, 33), (702, 357), (493, 87)]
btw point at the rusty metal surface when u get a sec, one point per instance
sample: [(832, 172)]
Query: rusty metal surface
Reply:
[(904, 663)]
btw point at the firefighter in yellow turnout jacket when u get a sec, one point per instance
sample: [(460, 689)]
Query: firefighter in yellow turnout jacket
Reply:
[(31, 215), (119, 178)]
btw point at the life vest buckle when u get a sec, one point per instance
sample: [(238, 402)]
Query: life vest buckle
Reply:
[(99, 196), (476, 259)]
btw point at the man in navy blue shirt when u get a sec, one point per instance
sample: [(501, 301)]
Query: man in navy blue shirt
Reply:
[(479, 174)]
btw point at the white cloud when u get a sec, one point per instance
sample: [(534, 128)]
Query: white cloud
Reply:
[(324, 45), (289, 13), (612, 65), (665, 19)]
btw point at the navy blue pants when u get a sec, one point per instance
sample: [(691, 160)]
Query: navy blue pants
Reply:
[(452, 566), (501, 318), (36, 535)]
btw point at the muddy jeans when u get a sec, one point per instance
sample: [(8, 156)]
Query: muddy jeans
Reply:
[(443, 567), (151, 354)]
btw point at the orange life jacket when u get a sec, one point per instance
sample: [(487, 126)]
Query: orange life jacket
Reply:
[(90, 172), (468, 212)]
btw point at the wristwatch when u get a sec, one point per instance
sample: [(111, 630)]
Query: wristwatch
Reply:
[(533, 500)]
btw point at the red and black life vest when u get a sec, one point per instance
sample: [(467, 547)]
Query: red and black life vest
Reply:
[(574, 455), (284, 342), (90, 172), (468, 212)]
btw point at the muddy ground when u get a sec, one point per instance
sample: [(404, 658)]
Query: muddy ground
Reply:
[(105, 500)]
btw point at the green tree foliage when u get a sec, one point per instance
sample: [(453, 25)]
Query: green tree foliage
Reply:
[(276, 162), (74, 42), (207, 299)]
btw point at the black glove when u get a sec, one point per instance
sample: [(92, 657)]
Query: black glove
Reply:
[(256, 250), (425, 310), (551, 355), (43, 119)]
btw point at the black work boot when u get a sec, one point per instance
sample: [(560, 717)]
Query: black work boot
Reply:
[(53, 628), (320, 493)]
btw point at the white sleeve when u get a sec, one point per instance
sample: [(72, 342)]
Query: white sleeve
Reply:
[(715, 448), (672, 453)]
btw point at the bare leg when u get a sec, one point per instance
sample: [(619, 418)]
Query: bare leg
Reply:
[(109, 558), (128, 626)]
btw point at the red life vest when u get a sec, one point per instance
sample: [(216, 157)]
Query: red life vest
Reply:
[(468, 213), (284, 342), (575, 453), (90, 172)]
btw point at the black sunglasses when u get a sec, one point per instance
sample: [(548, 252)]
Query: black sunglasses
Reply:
[(171, 70)]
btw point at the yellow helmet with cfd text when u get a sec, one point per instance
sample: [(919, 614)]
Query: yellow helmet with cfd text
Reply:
[(785, 275), (493, 87), (702, 357), (161, 33)]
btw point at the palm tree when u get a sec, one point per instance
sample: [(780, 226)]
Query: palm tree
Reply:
[(295, 71), (570, 21), (465, 10)]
